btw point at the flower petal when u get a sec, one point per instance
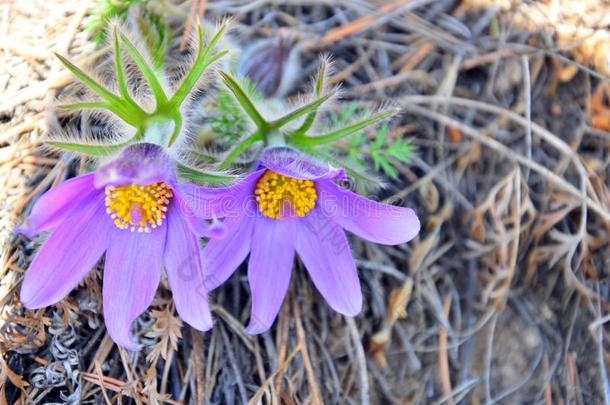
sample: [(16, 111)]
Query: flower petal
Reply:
[(293, 163), (140, 163), (66, 257), (131, 277), (325, 252), (221, 257), (183, 268), (228, 201), (269, 268), (55, 205), (373, 221), (196, 223)]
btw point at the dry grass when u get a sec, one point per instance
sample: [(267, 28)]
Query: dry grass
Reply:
[(503, 298)]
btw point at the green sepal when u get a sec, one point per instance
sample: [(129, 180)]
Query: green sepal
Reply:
[(310, 141), (112, 102), (240, 148), (243, 100), (310, 119), (156, 35), (84, 105), (87, 149), (86, 79), (202, 61), (299, 112), (120, 73), (203, 157), (147, 71), (197, 176), (177, 118)]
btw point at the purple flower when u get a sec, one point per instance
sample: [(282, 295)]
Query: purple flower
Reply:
[(291, 204), (132, 209)]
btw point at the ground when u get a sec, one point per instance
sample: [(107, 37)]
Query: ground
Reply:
[(503, 298)]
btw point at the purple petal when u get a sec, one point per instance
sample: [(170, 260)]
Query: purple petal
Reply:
[(269, 268), (141, 163), (183, 268), (57, 203), (223, 202), (373, 221), (220, 258), (292, 163), (67, 256), (131, 277), (325, 252), (196, 223)]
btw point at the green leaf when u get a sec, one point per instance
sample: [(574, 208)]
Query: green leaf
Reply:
[(345, 115), (401, 150), (226, 120), (385, 152), (357, 141), (385, 166), (215, 57), (299, 112), (203, 157), (202, 61), (240, 148), (197, 176), (120, 73), (132, 118), (105, 11), (113, 103), (84, 105), (319, 86), (122, 82), (156, 35), (380, 137), (341, 132), (362, 149), (88, 149), (149, 74), (244, 100), (177, 118), (311, 118), (86, 79), (210, 47), (306, 125)]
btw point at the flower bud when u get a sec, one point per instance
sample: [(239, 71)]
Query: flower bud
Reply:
[(271, 64)]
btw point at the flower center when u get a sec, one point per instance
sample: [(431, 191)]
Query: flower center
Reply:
[(138, 207), (273, 191)]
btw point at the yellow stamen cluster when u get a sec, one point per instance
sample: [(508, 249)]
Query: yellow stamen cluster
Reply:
[(136, 207), (273, 190)]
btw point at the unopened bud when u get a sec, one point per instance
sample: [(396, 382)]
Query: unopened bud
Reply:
[(271, 64)]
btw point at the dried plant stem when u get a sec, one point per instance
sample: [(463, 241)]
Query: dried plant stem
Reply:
[(508, 153), (361, 358), (443, 359), (311, 377)]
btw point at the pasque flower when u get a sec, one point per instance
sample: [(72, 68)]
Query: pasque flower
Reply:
[(291, 204), (132, 210)]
